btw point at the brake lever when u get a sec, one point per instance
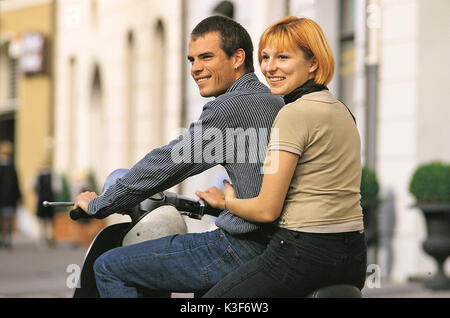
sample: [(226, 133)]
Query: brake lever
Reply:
[(55, 204)]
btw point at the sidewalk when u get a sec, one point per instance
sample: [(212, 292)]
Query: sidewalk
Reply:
[(403, 290), (33, 270), (37, 271)]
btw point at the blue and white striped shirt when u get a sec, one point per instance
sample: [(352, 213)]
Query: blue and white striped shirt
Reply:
[(246, 110)]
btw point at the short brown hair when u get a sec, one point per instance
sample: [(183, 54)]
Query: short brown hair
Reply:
[(233, 37), (305, 34)]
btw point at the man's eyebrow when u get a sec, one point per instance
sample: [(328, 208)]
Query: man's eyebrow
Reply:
[(205, 54), (201, 55)]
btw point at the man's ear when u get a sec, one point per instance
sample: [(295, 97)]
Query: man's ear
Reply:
[(239, 58)]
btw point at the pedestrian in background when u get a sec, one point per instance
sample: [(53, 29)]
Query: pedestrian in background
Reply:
[(44, 185), (10, 195)]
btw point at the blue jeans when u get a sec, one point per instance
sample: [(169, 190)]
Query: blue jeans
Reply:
[(191, 262), (297, 263)]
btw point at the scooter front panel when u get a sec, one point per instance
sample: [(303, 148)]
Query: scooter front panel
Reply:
[(163, 221)]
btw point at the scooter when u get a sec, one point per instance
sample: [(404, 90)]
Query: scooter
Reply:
[(158, 216)]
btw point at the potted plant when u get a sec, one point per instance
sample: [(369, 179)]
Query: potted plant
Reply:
[(430, 186), (83, 231), (63, 226), (369, 203)]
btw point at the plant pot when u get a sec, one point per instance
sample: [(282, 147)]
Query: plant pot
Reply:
[(63, 227), (437, 243), (81, 232), (85, 232)]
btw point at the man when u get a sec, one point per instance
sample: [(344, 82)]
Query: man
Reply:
[(220, 53)]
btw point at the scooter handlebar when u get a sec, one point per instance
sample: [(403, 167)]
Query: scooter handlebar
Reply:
[(207, 209), (190, 207), (194, 209), (75, 214), (78, 213)]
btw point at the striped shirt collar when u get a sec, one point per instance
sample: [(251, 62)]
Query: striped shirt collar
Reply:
[(242, 81)]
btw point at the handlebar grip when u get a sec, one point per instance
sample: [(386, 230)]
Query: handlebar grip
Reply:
[(78, 213), (210, 210)]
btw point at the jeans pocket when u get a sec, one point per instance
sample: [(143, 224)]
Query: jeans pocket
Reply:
[(306, 271), (316, 253), (221, 266)]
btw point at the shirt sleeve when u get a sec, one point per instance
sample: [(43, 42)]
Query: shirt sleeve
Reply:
[(164, 167), (289, 132)]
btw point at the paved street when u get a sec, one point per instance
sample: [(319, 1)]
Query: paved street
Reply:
[(35, 270), (403, 290), (32, 270)]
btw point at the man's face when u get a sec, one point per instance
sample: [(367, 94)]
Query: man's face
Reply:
[(211, 68)]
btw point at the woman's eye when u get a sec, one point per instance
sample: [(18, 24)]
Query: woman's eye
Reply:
[(283, 57), (265, 57)]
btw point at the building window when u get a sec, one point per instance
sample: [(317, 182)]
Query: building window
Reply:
[(129, 111), (13, 78), (159, 85), (347, 52), (71, 119), (94, 13), (8, 92), (8, 78), (225, 8), (97, 125)]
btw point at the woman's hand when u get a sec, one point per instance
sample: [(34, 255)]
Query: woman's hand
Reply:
[(229, 192), (267, 206), (214, 196)]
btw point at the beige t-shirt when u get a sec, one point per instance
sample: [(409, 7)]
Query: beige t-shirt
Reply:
[(324, 194)]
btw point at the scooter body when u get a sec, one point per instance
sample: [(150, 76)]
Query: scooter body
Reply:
[(162, 221), (104, 241), (158, 216)]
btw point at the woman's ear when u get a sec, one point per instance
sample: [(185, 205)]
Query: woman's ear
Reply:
[(314, 65)]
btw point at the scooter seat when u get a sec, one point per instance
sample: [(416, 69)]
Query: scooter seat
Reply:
[(336, 291)]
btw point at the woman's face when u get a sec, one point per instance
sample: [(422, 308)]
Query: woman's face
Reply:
[(286, 70)]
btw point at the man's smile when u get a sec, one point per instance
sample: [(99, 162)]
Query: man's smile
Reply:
[(202, 79)]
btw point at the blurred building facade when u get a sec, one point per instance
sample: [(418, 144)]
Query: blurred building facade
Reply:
[(26, 85), (118, 82), (406, 109), (122, 87)]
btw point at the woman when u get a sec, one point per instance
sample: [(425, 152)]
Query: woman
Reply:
[(311, 178)]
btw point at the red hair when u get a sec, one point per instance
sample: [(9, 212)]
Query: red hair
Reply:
[(305, 34)]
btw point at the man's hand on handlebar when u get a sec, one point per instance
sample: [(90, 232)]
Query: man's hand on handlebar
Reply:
[(214, 196), (83, 199)]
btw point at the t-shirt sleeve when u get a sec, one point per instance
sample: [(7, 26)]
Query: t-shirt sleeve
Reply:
[(289, 131)]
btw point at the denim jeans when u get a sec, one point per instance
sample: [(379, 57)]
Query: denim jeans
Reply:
[(297, 263), (191, 262)]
